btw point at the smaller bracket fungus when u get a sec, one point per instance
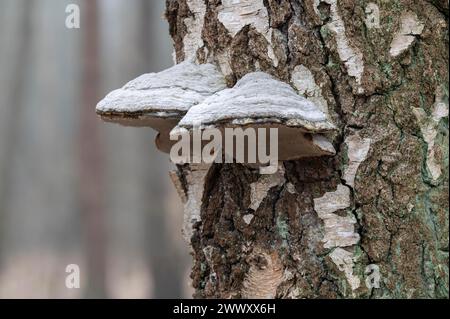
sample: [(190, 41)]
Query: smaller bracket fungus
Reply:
[(260, 101), (160, 100)]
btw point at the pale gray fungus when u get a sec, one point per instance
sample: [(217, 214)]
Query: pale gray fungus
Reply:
[(259, 100), (172, 91), (159, 100)]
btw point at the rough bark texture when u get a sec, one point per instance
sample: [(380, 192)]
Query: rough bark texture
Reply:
[(379, 69)]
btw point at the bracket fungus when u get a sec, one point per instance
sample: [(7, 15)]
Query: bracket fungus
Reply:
[(257, 101), (159, 100)]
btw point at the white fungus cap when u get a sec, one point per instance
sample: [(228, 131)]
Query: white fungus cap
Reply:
[(258, 98), (261, 101), (159, 100), (166, 94)]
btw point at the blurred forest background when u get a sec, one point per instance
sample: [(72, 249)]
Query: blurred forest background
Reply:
[(74, 190)]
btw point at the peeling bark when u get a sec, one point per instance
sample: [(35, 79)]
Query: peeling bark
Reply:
[(389, 179)]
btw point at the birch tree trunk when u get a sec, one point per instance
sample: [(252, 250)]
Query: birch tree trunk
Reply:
[(325, 227)]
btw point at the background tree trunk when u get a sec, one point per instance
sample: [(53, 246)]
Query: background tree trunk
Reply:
[(10, 129), (379, 70), (91, 172)]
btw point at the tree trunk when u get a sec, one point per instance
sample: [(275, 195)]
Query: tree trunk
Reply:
[(13, 109), (91, 173), (327, 227)]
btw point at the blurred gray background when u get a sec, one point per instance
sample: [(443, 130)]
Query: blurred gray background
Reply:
[(74, 190)]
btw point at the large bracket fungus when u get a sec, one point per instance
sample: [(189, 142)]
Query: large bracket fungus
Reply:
[(260, 101), (159, 100)]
